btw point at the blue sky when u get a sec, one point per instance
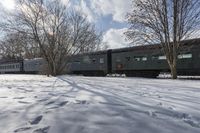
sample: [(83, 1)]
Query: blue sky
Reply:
[(108, 15)]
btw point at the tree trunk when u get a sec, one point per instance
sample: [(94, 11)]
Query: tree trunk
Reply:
[(54, 69), (173, 71)]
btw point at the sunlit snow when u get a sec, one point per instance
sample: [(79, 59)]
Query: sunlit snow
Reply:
[(76, 104)]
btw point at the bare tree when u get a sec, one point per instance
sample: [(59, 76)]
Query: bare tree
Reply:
[(56, 30), (166, 22), (11, 47), (17, 45)]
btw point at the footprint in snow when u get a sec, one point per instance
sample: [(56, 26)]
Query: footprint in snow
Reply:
[(52, 94), (62, 103), (49, 103), (25, 90), (22, 129), (164, 106), (46, 91), (171, 108), (159, 96), (36, 120), (18, 97), (23, 102), (59, 105), (81, 102), (187, 118), (42, 130), (192, 123), (3, 97), (9, 87), (111, 104), (152, 113), (42, 100), (160, 104), (64, 95), (14, 112)]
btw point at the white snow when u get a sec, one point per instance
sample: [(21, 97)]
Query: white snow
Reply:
[(76, 104)]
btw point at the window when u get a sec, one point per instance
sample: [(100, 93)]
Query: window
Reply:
[(77, 62), (86, 59), (185, 56), (162, 57), (128, 58), (144, 58), (118, 60), (93, 60), (136, 58), (154, 57), (140, 58), (101, 60)]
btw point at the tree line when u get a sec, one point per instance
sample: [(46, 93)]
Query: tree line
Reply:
[(47, 29)]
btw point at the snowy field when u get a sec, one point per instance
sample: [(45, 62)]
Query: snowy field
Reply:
[(76, 104)]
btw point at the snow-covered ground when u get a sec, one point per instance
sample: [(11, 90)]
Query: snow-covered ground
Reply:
[(76, 104)]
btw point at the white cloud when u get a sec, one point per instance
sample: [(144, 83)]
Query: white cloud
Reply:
[(98, 8), (115, 38), (116, 8), (86, 10), (83, 6)]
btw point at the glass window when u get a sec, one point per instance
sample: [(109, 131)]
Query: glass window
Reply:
[(101, 61), (154, 57), (128, 58), (162, 57), (185, 56), (144, 58), (86, 59), (77, 62), (140, 58), (136, 58), (93, 60), (118, 60)]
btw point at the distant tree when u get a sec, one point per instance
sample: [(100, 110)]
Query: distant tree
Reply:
[(11, 47), (56, 30), (16, 45), (167, 22)]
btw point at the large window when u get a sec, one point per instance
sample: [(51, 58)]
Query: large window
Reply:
[(162, 57), (144, 58), (140, 58), (158, 57), (185, 56)]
